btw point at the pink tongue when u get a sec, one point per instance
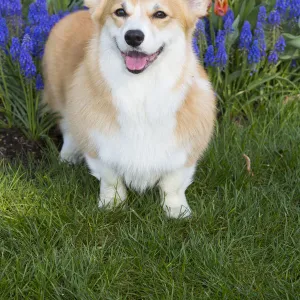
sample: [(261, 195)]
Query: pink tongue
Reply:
[(136, 63)]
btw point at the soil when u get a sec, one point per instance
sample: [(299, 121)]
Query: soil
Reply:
[(14, 144)]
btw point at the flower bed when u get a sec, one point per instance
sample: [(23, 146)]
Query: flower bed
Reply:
[(249, 50)]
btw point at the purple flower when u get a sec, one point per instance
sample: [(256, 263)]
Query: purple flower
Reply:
[(274, 18), (259, 34), (221, 36), (273, 57), (207, 31), (294, 8), (3, 8), (280, 45), (15, 49), (221, 56), (209, 58), (4, 34), (27, 65), (27, 44), (254, 53), (37, 11), (245, 37), (200, 27), (39, 83), (262, 15), (282, 6), (196, 47), (228, 20), (294, 63), (14, 8)]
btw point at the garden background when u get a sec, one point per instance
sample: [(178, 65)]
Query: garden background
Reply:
[(243, 241)]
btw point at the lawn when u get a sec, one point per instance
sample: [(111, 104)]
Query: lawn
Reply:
[(243, 241)]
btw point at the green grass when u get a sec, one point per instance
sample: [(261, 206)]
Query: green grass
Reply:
[(242, 243)]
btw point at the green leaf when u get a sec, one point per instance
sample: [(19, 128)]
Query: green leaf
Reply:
[(259, 82)]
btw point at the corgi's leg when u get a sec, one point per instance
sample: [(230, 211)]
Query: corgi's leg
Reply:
[(112, 189), (69, 152), (173, 187)]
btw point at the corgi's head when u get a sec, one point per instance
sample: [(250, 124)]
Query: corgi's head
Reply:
[(142, 30)]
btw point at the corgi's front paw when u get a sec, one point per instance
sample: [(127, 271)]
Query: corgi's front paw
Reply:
[(176, 208), (112, 196)]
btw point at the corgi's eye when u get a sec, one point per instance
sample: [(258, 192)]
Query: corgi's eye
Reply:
[(121, 13), (160, 15)]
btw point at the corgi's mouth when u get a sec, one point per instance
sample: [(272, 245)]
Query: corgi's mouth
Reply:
[(136, 62)]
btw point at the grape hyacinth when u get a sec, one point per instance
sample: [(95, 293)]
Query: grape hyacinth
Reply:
[(15, 49), (274, 18), (27, 65), (221, 56), (220, 39), (195, 46), (27, 44), (280, 45), (273, 57), (209, 58), (281, 6), (200, 28), (259, 34), (228, 21), (4, 34), (39, 83), (245, 37), (262, 14), (254, 54), (295, 9)]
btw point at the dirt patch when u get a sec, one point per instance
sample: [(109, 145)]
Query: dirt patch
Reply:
[(14, 144)]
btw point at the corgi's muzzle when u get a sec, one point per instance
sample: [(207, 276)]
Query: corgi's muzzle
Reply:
[(137, 61)]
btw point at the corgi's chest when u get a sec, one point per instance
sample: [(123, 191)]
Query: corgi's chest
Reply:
[(145, 146)]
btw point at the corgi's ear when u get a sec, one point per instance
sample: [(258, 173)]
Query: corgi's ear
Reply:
[(200, 7)]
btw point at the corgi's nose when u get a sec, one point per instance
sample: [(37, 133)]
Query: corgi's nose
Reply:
[(134, 37)]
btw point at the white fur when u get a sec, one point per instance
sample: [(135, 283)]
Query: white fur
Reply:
[(173, 188), (144, 151), (69, 152)]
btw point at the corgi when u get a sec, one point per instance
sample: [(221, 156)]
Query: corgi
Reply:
[(133, 100)]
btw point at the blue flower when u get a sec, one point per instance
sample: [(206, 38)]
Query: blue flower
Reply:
[(27, 65), (280, 45), (39, 83), (274, 18), (294, 8), (37, 11), (294, 63), (207, 31), (273, 57), (27, 44), (14, 8), (254, 54), (196, 47), (209, 58), (228, 20), (4, 33), (3, 8), (200, 27), (221, 56), (259, 34), (245, 37), (282, 6), (15, 49), (221, 36), (262, 14)]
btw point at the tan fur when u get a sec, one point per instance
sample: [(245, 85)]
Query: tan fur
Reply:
[(75, 88), (73, 83)]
